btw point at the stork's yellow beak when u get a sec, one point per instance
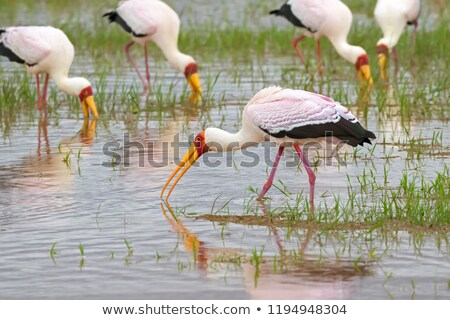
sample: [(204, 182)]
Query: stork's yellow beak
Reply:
[(364, 76), (89, 104), (188, 160), (194, 83), (382, 63)]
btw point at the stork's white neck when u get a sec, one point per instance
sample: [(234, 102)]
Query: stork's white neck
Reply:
[(72, 86), (176, 58), (346, 50), (388, 41), (219, 140)]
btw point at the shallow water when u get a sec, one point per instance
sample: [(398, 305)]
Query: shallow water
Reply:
[(90, 202), (44, 200)]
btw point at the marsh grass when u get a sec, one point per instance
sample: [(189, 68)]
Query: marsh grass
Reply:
[(236, 53), (239, 45), (417, 204)]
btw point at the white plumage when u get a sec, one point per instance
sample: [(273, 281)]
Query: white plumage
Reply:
[(34, 44), (153, 20), (47, 50), (286, 109), (144, 22), (392, 17), (312, 13), (287, 117), (329, 18)]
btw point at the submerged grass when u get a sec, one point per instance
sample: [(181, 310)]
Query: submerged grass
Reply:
[(417, 202)]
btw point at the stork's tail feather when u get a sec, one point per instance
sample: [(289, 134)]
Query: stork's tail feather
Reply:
[(275, 12), (111, 16)]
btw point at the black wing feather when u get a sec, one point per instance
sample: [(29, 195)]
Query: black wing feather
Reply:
[(7, 52), (113, 16), (351, 133), (285, 11)]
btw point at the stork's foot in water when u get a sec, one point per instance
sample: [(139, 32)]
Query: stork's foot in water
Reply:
[(311, 178), (269, 182)]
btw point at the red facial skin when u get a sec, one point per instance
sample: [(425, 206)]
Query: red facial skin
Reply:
[(362, 60), (381, 48), (200, 143), (190, 69), (86, 92)]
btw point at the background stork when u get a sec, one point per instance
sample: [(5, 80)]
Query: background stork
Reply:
[(329, 18), (47, 50), (153, 20), (392, 17)]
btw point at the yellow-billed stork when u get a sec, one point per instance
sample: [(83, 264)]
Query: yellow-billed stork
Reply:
[(329, 18), (287, 117), (392, 17), (153, 20), (47, 50)]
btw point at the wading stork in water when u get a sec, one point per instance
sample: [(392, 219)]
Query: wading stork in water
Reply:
[(153, 20), (47, 50), (329, 18), (392, 17), (286, 117)]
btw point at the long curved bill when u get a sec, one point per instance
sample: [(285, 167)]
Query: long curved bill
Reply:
[(188, 160), (382, 63), (196, 87), (89, 104), (365, 77)]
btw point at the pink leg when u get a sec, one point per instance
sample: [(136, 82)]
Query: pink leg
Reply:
[(269, 182), (130, 58), (39, 100), (44, 93), (395, 57), (311, 175), (416, 25), (413, 52), (295, 43), (147, 72), (319, 61), (39, 137)]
